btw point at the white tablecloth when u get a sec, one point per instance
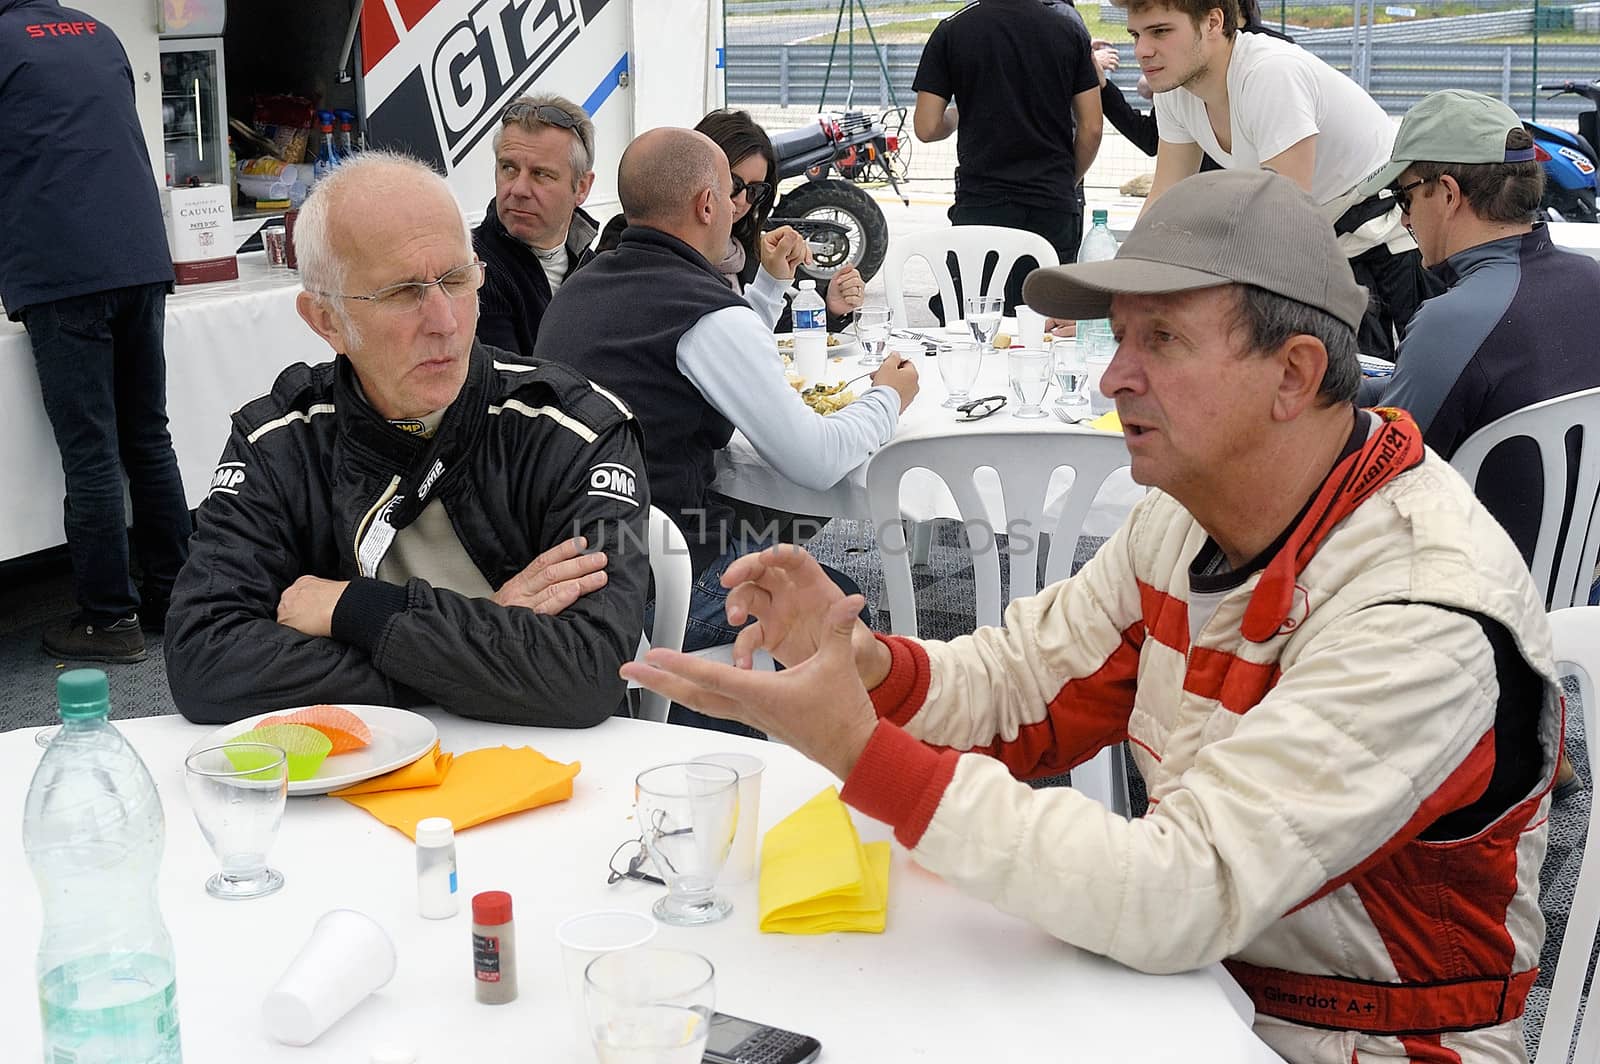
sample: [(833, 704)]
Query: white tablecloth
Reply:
[(1581, 237), (952, 978), (743, 474), (225, 343)]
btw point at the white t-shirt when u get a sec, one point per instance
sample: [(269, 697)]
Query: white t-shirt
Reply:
[(554, 262), (1278, 95)]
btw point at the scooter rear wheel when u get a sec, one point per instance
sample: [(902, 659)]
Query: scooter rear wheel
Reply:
[(849, 206)]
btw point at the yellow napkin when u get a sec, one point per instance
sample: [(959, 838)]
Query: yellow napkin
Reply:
[(426, 771), (481, 785), (1107, 422), (817, 876)]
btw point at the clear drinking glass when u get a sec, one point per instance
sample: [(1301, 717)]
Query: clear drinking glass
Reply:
[(688, 814), (238, 792), (872, 332), (983, 317), (649, 1006), (1070, 371), (1029, 373), (959, 364)]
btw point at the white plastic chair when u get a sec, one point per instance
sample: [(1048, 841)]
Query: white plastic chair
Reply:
[(1564, 580), (971, 245), (1577, 644), (1025, 463), (669, 564)]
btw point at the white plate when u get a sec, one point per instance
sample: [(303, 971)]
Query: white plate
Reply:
[(399, 737), (845, 348)]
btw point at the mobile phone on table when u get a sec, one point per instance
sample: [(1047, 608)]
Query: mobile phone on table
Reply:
[(736, 1041)]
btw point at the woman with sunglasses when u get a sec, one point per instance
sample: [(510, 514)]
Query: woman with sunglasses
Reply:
[(754, 167)]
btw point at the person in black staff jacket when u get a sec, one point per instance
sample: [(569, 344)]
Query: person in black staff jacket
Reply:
[(407, 523), (1019, 80), (535, 233), (84, 266)]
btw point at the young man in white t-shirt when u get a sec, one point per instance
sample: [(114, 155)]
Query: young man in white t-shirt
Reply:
[(1251, 101)]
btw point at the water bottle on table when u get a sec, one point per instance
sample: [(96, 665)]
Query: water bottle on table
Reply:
[(92, 830), (810, 334), (1095, 343)]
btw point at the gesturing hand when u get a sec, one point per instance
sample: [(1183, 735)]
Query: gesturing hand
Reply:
[(790, 597), (818, 706), (555, 579)]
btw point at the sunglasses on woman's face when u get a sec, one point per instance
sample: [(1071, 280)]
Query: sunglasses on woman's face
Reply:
[(758, 190)]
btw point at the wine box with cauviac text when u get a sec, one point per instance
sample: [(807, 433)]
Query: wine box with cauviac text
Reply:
[(200, 233)]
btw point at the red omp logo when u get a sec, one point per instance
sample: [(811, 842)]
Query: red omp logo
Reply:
[(62, 29)]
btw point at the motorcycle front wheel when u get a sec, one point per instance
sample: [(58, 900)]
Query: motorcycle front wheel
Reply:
[(843, 204)]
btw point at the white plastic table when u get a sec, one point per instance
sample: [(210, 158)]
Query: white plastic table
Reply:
[(743, 474), (952, 979), (225, 343), (1581, 237)]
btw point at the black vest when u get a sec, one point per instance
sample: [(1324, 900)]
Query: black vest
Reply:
[(618, 321)]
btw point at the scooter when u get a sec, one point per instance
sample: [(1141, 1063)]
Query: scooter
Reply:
[(1570, 162), (843, 224)]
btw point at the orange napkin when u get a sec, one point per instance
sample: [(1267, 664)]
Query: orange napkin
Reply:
[(481, 785), (426, 771)]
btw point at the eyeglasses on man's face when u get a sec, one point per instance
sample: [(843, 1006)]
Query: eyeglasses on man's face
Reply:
[(456, 283), (979, 409), (758, 190)]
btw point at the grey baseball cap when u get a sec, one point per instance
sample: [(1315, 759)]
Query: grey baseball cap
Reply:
[(1225, 227), (1451, 126)]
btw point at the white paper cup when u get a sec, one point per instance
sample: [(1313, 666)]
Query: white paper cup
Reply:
[(741, 866), (1094, 369), (585, 937), (1030, 327), (348, 956)]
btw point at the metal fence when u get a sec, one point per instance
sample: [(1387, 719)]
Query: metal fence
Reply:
[(1447, 30), (1401, 73)]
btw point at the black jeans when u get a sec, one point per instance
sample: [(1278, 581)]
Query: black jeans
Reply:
[(103, 374), (1397, 286), (1062, 226)]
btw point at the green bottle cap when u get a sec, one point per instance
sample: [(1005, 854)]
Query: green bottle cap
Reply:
[(83, 694), (1099, 217)]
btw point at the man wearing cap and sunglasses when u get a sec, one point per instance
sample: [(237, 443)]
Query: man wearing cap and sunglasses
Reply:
[(1520, 320), (1328, 660), (535, 234)]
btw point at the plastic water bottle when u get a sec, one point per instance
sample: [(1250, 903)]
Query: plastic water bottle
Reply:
[(810, 333), (346, 142), (327, 151), (1095, 342), (92, 830)]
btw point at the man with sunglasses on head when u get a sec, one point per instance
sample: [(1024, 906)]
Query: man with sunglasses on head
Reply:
[(1519, 322), (535, 233), (424, 519), (1329, 663)]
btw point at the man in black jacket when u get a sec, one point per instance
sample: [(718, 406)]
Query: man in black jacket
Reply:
[(406, 523), (84, 265), (535, 233)]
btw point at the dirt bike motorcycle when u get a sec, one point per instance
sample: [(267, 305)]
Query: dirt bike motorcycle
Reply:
[(842, 223)]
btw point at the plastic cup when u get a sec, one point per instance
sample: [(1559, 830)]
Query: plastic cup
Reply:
[(1030, 327), (348, 956), (741, 866), (585, 937), (1094, 369)]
